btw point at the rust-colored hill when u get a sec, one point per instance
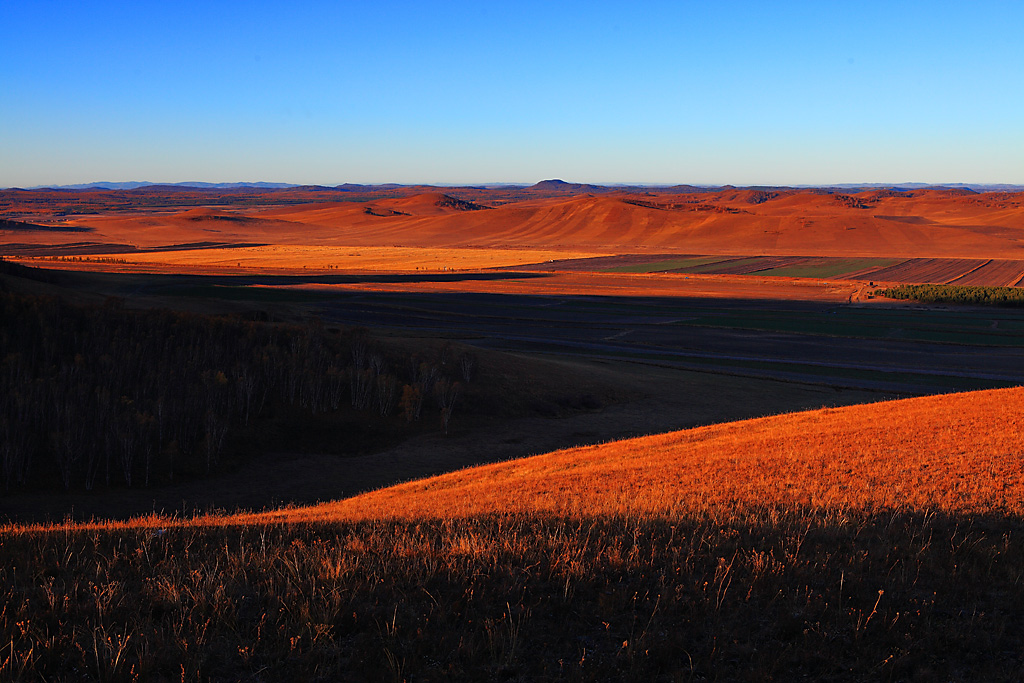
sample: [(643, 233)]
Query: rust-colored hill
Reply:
[(741, 222), (959, 453), (878, 223)]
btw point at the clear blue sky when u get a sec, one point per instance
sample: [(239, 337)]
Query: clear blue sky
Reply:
[(473, 92)]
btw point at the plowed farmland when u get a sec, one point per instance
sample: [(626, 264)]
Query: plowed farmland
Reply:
[(932, 270), (994, 273), (746, 266), (839, 268), (982, 272)]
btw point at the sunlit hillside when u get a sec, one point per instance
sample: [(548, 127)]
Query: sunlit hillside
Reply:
[(924, 223), (958, 453), (876, 542)]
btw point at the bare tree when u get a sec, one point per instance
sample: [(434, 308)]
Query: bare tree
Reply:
[(387, 386), (447, 394), (467, 364)]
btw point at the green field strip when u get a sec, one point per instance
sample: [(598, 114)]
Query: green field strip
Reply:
[(712, 268), (828, 268), (661, 266)]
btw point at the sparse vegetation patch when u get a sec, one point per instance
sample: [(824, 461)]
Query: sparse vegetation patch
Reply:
[(758, 593)]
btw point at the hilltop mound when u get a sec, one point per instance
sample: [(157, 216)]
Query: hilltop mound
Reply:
[(959, 453), (428, 203), (207, 214), (747, 196), (19, 226), (560, 186)]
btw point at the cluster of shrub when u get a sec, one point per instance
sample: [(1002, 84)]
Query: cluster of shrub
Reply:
[(956, 294), (84, 259), (108, 396)]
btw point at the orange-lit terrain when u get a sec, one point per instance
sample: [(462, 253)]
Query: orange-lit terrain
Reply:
[(956, 453), (748, 546), (326, 342), (918, 224), (949, 454)]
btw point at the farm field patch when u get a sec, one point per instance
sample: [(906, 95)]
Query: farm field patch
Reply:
[(670, 265), (827, 267), (926, 271), (985, 272)]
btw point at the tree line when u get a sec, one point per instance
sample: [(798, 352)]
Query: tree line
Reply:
[(957, 294), (103, 395)]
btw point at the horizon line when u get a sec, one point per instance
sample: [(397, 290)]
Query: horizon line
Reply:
[(265, 184)]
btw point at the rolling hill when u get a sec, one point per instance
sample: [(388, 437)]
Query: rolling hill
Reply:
[(743, 222), (921, 223), (852, 544), (954, 453)]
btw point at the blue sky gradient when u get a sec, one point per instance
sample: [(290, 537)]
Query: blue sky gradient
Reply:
[(458, 92)]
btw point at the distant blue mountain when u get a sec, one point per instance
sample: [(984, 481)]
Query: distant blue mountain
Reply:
[(132, 185), (977, 187)]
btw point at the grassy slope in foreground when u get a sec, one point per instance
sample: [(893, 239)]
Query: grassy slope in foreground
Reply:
[(737, 563), (956, 453)]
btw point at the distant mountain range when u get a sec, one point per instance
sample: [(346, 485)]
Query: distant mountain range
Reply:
[(548, 185), (977, 187), (135, 184)]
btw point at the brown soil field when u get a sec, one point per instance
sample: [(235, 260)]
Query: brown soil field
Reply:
[(749, 266), (958, 453), (933, 271)]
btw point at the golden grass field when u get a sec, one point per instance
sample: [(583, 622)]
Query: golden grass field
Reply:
[(950, 454), (875, 542), (956, 453), (294, 258)]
